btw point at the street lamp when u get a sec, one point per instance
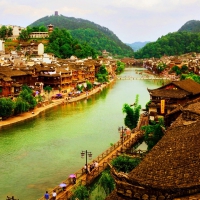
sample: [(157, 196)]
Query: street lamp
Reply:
[(122, 132), (86, 154)]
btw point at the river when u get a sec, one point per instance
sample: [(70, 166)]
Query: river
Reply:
[(39, 154)]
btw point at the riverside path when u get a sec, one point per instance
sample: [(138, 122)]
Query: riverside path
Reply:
[(103, 160)]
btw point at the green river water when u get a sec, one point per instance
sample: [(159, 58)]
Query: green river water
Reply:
[(38, 154)]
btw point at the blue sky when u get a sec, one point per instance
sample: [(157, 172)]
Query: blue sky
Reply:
[(130, 20)]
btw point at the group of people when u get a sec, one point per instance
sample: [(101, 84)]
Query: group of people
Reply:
[(47, 196), (89, 167)]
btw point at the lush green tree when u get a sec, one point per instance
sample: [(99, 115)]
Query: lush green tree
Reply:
[(81, 193), (62, 45), (125, 163), (6, 107), (176, 69), (9, 31), (161, 67), (3, 32), (20, 106), (102, 75), (184, 69), (43, 28), (107, 182), (27, 95), (89, 85), (120, 67), (48, 89), (24, 35), (153, 133), (132, 114), (192, 76), (80, 88)]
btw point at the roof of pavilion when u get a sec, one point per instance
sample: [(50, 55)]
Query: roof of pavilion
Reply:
[(174, 162)]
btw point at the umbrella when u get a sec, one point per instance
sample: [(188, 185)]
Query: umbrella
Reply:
[(63, 185), (72, 176)]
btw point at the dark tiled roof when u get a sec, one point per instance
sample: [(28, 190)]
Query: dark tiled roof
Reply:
[(175, 161), (178, 93), (11, 72), (188, 85), (182, 89)]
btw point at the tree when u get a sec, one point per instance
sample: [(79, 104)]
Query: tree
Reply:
[(107, 182), (120, 67), (3, 32), (161, 67), (176, 69), (6, 107), (9, 31), (89, 85), (102, 75), (132, 114), (43, 29), (24, 35), (153, 133), (125, 163), (192, 76), (63, 45), (48, 89), (27, 95), (81, 193), (184, 69), (20, 106)]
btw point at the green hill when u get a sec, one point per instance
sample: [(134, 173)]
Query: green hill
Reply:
[(98, 37), (176, 43), (191, 26)]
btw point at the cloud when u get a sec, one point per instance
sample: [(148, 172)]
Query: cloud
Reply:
[(130, 20)]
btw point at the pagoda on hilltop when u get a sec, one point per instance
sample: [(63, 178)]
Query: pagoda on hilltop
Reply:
[(50, 28)]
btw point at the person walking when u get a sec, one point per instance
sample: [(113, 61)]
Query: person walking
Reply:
[(54, 195), (46, 195)]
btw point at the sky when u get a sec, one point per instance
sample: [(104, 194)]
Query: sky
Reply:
[(130, 20)]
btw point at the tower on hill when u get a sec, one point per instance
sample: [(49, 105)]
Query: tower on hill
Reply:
[(56, 13)]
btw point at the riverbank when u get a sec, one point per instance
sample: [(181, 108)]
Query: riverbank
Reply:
[(31, 114)]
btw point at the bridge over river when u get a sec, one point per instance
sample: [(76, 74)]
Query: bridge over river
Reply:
[(143, 78), (103, 160)]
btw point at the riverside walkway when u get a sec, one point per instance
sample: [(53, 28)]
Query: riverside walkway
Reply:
[(103, 160)]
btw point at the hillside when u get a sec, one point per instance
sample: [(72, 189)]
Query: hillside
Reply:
[(137, 45), (176, 43), (98, 37), (191, 26)]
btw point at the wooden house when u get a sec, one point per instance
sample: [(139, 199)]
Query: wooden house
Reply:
[(12, 80), (166, 98)]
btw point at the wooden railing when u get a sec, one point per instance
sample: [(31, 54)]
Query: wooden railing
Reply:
[(84, 179)]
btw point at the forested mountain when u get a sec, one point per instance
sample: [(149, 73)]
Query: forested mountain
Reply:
[(137, 45), (98, 37), (191, 26), (176, 43)]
